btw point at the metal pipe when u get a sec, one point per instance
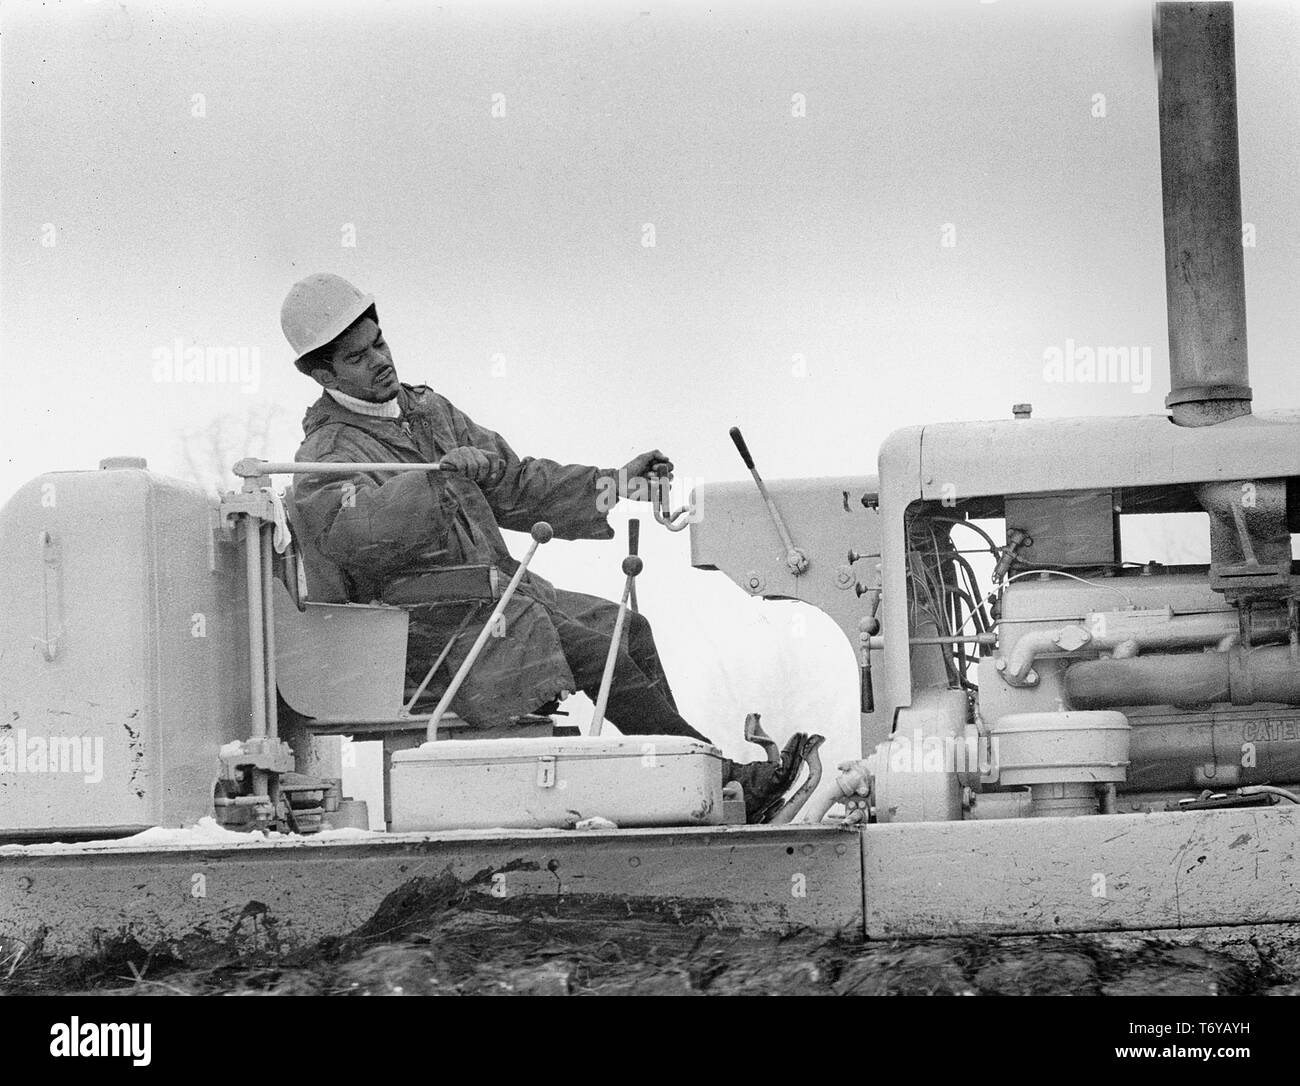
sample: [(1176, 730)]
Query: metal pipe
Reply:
[(252, 468), (1186, 679), (542, 533), (266, 532), (1239, 677), (256, 629), (1107, 795), (854, 779), (1075, 620), (876, 643), (1127, 638), (1205, 283)]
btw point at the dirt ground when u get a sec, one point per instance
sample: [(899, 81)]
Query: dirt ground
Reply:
[(449, 947)]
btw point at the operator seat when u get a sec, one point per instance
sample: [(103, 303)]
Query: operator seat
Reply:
[(334, 659), (316, 629)]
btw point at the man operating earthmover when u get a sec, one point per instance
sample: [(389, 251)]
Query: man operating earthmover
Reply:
[(371, 536)]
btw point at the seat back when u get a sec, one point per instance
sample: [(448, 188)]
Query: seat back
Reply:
[(326, 581), (336, 660), (340, 661)]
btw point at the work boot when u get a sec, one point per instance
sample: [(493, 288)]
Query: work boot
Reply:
[(765, 783)]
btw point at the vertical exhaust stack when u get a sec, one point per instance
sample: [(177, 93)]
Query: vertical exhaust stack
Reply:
[(1205, 287), (1205, 282)]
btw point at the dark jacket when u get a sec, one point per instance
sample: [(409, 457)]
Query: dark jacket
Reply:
[(363, 530)]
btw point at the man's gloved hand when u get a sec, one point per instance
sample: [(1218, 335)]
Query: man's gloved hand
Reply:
[(645, 466), (475, 464)]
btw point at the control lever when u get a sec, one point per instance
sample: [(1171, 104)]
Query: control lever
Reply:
[(541, 533), (632, 565), (795, 559), (661, 502), (633, 541), (868, 626)]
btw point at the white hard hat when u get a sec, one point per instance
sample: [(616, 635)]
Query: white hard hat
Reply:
[(320, 308)]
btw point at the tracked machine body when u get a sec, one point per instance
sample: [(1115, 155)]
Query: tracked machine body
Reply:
[(1062, 729)]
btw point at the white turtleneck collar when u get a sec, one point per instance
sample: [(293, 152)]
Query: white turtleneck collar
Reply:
[(389, 409)]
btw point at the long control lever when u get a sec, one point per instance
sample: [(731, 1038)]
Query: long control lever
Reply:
[(868, 627), (633, 542), (541, 533), (632, 565), (795, 559)]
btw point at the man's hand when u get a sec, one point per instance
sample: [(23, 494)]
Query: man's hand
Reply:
[(645, 466), (474, 464)]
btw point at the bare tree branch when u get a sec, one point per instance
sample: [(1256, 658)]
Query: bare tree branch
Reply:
[(209, 451)]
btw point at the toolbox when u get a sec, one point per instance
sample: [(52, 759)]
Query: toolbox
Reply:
[(638, 780)]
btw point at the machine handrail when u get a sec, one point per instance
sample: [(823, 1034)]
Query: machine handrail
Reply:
[(251, 467)]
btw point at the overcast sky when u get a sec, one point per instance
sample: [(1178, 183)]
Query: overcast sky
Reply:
[(168, 171), (507, 252)]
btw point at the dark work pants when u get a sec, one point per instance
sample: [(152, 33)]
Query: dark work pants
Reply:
[(640, 701)]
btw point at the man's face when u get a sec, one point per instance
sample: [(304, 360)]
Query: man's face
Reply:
[(363, 365)]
